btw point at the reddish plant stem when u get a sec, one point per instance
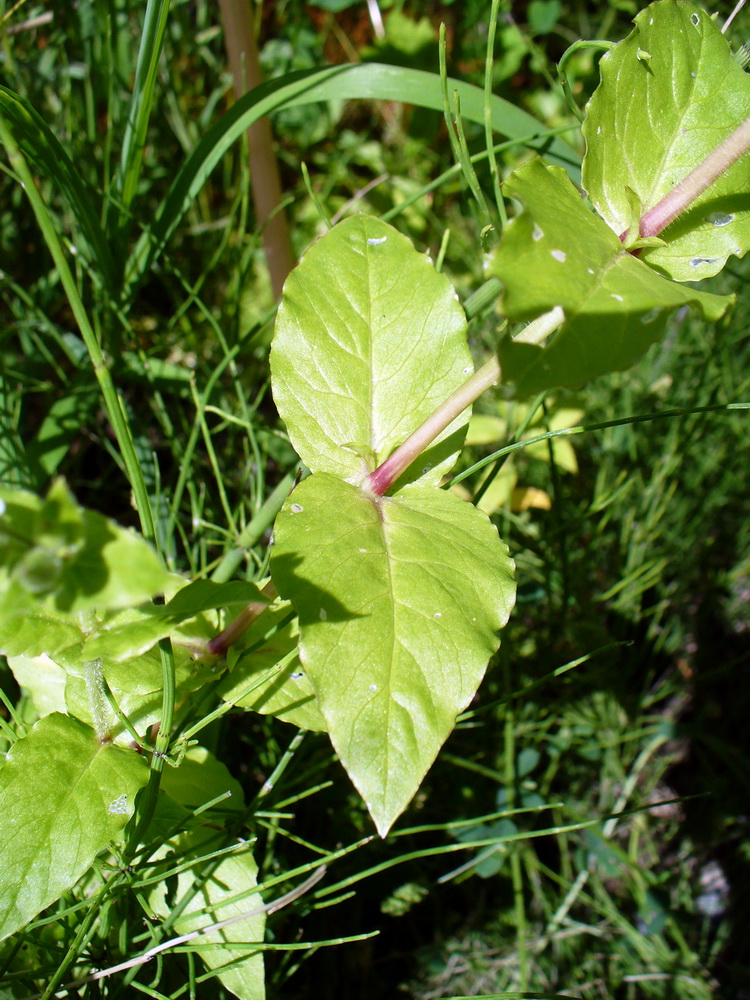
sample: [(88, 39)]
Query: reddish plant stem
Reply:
[(380, 481), (684, 194), (220, 643)]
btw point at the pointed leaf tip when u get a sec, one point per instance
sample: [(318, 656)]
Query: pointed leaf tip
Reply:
[(399, 601)]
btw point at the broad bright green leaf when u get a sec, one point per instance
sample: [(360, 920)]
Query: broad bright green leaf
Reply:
[(270, 681), (369, 340), (135, 630), (652, 121), (69, 559), (399, 600), (557, 253), (226, 891), (64, 796)]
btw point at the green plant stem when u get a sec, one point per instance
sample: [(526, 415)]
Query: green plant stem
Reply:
[(684, 194), (454, 124), (517, 436), (253, 531), (112, 401), (148, 797), (563, 65), (583, 428), (381, 479)]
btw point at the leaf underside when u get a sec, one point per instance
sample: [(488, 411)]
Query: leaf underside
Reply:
[(615, 305), (669, 94)]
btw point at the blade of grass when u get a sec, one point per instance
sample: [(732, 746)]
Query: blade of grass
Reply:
[(366, 81), (142, 100), (115, 410), (583, 428), (40, 147), (488, 65)]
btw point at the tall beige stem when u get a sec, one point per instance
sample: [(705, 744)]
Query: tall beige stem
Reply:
[(242, 51)]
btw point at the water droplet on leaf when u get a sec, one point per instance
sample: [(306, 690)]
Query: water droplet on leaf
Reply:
[(650, 316), (719, 218)]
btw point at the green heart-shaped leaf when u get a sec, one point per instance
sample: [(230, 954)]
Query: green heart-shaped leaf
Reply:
[(399, 599)]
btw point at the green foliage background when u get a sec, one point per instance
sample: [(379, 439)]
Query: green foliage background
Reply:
[(619, 682)]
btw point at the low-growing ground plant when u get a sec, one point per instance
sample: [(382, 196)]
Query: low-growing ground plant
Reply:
[(373, 611)]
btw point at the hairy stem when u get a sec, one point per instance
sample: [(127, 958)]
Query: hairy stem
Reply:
[(380, 481), (684, 194)]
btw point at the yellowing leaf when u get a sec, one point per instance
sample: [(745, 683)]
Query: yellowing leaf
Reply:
[(527, 497)]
